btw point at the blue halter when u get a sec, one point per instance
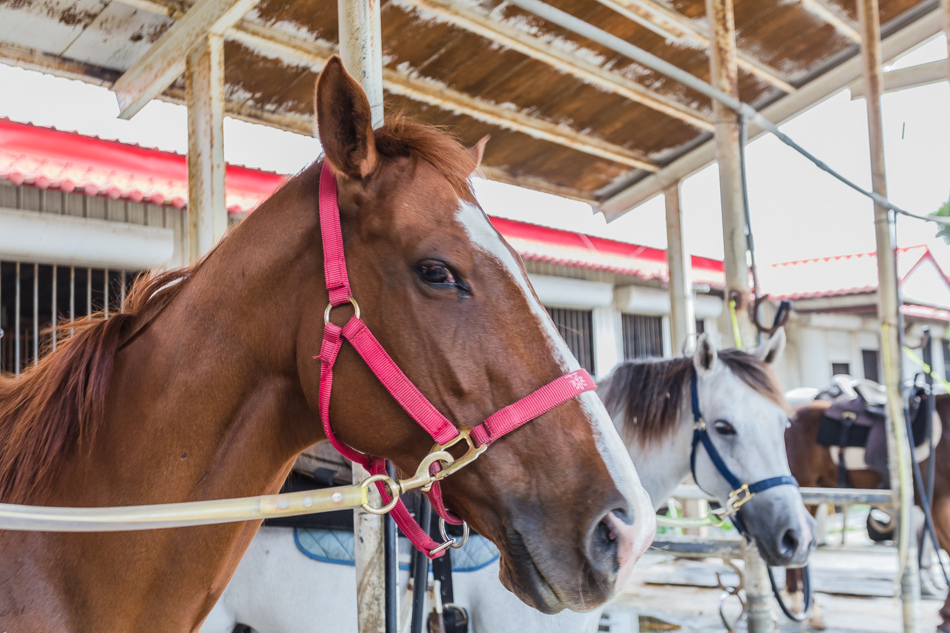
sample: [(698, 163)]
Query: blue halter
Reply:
[(741, 492)]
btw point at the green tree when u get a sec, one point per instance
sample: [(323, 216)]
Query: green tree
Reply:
[(944, 212)]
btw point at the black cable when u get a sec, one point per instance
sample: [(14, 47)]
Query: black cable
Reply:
[(806, 588), (391, 564)]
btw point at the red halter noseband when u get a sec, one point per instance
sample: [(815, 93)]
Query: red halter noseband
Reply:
[(396, 383)]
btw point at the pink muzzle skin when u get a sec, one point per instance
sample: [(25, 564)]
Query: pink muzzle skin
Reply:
[(401, 388)]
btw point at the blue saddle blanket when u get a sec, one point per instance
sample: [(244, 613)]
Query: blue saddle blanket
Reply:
[(336, 546)]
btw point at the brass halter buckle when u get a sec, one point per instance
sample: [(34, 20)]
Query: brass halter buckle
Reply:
[(471, 454), (422, 479), (738, 498)]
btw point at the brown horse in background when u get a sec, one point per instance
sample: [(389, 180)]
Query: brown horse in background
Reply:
[(207, 387), (812, 465)]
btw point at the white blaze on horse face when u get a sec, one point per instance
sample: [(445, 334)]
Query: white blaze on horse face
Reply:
[(609, 444)]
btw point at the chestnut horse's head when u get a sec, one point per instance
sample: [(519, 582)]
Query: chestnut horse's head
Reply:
[(450, 301)]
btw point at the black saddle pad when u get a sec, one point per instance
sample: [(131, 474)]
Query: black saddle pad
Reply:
[(850, 423)]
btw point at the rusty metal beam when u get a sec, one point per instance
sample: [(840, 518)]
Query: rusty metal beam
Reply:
[(165, 61), (674, 26), (204, 95), (462, 16), (830, 15)]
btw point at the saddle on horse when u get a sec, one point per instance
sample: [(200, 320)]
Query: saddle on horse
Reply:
[(855, 423)]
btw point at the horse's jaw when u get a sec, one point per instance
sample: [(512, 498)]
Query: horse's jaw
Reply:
[(663, 465)]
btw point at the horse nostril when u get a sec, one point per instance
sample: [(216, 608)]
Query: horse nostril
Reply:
[(790, 542), (604, 537)]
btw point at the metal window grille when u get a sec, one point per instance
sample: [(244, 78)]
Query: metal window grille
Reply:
[(869, 358), (642, 336), (576, 327), (840, 368), (33, 296)]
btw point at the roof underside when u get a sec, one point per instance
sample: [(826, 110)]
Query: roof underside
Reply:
[(442, 67)]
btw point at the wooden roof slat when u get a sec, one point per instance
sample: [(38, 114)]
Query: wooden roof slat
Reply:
[(495, 30), (165, 61), (672, 25), (827, 13), (297, 50)]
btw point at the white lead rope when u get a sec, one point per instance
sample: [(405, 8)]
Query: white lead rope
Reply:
[(192, 513)]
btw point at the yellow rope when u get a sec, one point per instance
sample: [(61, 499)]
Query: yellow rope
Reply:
[(927, 368), (735, 323)]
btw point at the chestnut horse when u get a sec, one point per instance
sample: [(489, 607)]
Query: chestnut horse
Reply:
[(207, 387), (812, 465)]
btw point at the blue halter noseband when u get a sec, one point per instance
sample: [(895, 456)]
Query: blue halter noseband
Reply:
[(741, 492)]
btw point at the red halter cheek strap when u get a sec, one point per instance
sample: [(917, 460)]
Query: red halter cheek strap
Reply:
[(396, 383)]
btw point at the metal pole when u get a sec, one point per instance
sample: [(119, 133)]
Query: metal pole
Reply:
[(682, 313), (361, 51), (36, 314), (105, 292), (888, 308), (758, 591), (204, 94), (724, 73)]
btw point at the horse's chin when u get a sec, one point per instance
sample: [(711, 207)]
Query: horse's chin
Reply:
[(523, 578)]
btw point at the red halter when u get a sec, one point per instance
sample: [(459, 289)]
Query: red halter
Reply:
[(410, 399)]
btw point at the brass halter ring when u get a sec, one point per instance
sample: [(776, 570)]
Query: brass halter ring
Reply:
[(451, 543), (330, 306), (422, 479)]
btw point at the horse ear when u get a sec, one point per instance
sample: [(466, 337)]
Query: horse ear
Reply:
[(478, 151), (705, 356), (771, 350), (344, 122)]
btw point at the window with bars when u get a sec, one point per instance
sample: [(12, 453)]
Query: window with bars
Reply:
[(576, 327), (869, 358), (642, 336), (31, 294)]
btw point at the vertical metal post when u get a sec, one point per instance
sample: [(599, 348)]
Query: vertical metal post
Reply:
[(54, 308), (888, 307), (758, 591), (88, 291), (72, 295), (724, 76), (682, 312), (16, 322), (204, 95), (361, 51)]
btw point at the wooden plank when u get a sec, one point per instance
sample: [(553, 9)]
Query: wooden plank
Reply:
[(682, 312), (674, 26), (204, 80), (911, 77), (165, 61), (830, 15), (479, 23)]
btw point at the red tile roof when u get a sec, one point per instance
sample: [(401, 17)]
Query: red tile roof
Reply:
[(49, 158), (834, 276)]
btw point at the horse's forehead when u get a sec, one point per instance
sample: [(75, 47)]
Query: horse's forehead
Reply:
[(729, 394)]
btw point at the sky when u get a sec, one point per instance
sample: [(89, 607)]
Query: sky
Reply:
[(797, 211)]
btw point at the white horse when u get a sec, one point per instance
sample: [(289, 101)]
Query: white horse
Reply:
[(276, 589)]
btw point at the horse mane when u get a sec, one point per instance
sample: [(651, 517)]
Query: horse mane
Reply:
[(60, 402), (651, 393), (401, 136)]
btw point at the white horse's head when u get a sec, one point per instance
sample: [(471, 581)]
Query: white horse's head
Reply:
[(746, 416)]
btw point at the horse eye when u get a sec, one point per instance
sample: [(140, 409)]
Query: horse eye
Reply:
[(724, 428), (435, 273)]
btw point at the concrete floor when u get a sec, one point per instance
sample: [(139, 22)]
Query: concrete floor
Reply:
[(854, 592)]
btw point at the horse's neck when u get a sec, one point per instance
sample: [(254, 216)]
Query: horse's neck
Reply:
[(205, 403), (664, 464)]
